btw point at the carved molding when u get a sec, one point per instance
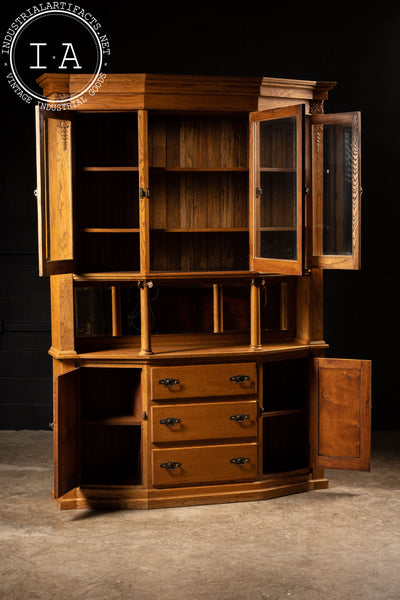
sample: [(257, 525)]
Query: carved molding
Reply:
[(63, 128), (317, 132), (316, 107)]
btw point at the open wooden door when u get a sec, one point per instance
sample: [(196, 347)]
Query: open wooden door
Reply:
[(54, 192), (66, 422), (340, 414)]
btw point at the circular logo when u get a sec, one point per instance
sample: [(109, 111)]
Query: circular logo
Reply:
[(58, 38)]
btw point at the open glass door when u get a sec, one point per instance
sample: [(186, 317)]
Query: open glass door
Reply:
[(54, 192), (340, 413), (336, 190), (276, 165)]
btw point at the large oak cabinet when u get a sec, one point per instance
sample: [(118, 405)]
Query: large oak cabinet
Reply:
[(185, 223)]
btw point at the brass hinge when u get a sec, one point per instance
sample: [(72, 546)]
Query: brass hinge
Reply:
[(144, 193)]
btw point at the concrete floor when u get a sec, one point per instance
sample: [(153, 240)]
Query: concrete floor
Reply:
[(342, 543)]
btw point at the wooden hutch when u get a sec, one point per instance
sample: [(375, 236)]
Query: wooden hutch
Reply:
[(185, 223)]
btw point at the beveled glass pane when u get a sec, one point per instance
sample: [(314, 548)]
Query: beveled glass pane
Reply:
[(337, 190), (276, 190)]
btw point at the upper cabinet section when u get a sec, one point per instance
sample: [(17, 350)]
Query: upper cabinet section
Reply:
[(166, 176)]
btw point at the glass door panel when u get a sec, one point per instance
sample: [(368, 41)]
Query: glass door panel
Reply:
[(336, 190), (276, 190)]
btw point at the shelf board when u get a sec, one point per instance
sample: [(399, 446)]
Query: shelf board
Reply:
[(291, 228), (120, 420), (277, 170), (282, 413), (110, 230), (108, 169), (200, 229), (200, 169)]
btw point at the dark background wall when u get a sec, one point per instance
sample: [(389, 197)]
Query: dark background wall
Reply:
[(358, 48)]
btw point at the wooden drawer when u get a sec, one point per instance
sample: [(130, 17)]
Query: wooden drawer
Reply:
[(204, 464), (194, 381), (205, 421)]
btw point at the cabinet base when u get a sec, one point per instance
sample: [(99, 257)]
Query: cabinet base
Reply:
[(137, 498)]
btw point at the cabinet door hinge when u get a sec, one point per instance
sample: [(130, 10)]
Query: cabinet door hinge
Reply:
[(144, 193), (144, 415)]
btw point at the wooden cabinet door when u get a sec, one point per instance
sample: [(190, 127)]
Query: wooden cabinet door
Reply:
[(276, 190), (66, 419), (336, 190), (55, 192), (341, 414)]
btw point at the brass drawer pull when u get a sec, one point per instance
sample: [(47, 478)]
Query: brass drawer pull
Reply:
[(170, 421), (168, 381), (239, 378), (240, 460), (239, 418), (170, 465)]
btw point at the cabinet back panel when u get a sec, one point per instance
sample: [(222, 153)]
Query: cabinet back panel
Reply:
[(110, 455), (99, 252), (198, 200), (108, 393), (199, 251), (285, 384), (108, 199), (181, 310), (107, 139), (198, 141), (285, 442)]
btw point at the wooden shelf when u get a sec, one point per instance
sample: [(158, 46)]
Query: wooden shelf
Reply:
[(110, 230), (291, 228), (200, 229), (282, 413), (203, 346), (108, 169), (277, 170), (120, 420), (199, 169)]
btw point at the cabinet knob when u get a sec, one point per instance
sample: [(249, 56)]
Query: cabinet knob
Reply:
[(239, 418), (239, 378), (168, 381), (170, 465), (170, 421), (240, 460)]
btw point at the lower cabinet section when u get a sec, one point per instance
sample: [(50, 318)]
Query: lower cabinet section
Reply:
[(204, 464), (144, 436)]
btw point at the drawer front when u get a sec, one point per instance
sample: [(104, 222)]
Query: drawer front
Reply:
[(205, 421), (204, 464), (203, 380)]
